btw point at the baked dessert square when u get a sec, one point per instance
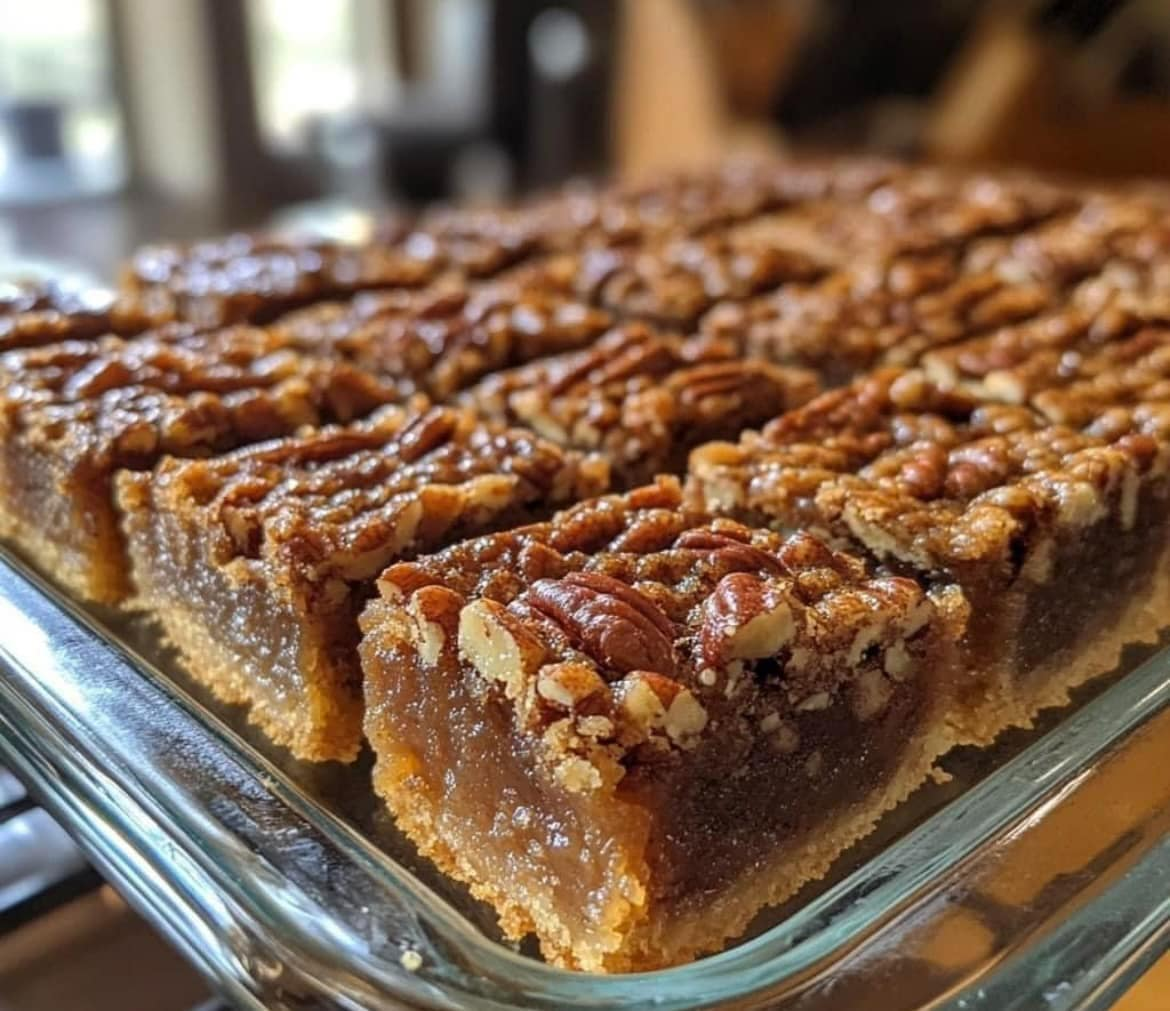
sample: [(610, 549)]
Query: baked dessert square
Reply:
[(902, 295), (254, 278), (632, 727), (993, 499), (43, 312), (256, 563), (674, 281), (1015, 363), (876, 312), (642, 399), (73, 414), (444, 338), (684, 203)]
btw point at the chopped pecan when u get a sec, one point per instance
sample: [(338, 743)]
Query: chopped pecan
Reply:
[(650, 702), (569, 685), (435, 610), (499, 645)]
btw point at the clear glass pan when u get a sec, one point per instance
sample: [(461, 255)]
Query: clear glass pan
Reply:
[(1038, 876)]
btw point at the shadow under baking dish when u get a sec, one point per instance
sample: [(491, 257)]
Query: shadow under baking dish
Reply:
[(1033, 874)]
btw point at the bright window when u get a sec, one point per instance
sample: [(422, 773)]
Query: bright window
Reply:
[(60, 131), (305, 54)]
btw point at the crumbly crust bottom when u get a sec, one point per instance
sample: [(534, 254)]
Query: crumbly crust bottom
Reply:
[(653, 942), (307, 731), (100, 581), (1015, 701)]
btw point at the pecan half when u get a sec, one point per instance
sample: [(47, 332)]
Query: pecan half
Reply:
[(426, 432), (609, 621), (733, 553), (435, 610), (745, 618), (804, 551), (717, 379)]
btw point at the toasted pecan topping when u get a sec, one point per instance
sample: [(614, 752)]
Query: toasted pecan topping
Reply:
[(253, 278), (441, 339), (34, 313), (347, 502), (641, 398), (618, 646), (934, 478)]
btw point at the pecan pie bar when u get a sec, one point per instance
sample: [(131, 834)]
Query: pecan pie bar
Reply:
[(443, 339), (682, 204), (876, 312), (632, 727), (642, 399), (254, 279), (675, 281), (34, 312), (903, 296), (1015, 362), (1102, 234), (72, 414), (992, 498), (256, 563)]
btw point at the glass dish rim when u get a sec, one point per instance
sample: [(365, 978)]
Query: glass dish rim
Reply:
[(866, 897)]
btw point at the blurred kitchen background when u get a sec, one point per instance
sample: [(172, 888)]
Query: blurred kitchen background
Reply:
[(124, 120)]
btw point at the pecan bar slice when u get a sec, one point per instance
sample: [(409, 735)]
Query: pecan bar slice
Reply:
[(991, 498), (890, 310), (632, 727), (444, 338), (675, 281), (251, 278), (34, 313), (73, 414), (861, 315), (682, 204), (256, 563), (642, 399), (1015, 362), (1107, 390)]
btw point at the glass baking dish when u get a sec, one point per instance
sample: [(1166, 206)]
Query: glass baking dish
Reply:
[(1035, 875)]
